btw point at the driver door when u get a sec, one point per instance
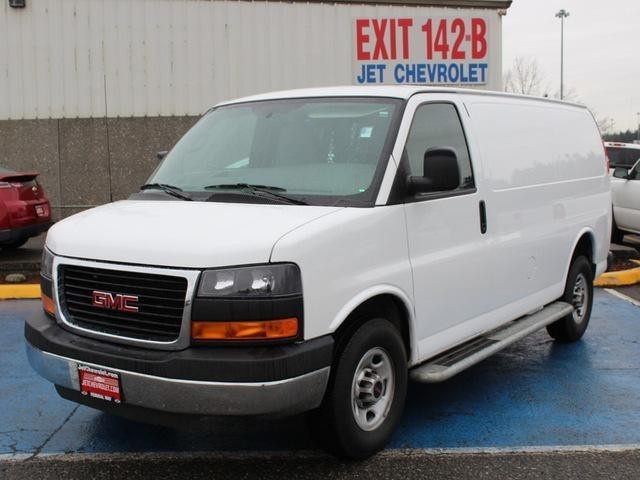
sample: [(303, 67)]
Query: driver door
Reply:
[(447, 239)]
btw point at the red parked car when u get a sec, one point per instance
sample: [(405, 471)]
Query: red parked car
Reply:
[(24, 208)]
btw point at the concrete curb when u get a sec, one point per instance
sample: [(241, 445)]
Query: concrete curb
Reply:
[(619, 279), (310, 454), (19, 291)]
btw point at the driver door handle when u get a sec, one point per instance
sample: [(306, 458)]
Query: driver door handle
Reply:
[(483, 217)]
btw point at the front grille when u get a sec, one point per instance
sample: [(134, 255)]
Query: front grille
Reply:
[(160, 302)]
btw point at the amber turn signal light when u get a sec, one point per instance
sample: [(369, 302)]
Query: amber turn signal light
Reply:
[(266, 330), (47, 304)]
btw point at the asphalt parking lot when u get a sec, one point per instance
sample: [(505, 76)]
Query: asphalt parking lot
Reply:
[(512, 411)]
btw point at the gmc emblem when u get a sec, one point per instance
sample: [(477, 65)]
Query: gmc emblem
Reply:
[(114, 301)]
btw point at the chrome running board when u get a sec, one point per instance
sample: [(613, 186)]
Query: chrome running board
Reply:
[(459, 358)]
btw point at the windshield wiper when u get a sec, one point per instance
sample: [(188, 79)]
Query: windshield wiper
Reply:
[(169, 189), (258, 190)]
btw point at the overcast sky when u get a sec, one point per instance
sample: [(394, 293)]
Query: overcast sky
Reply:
[(601, 46)]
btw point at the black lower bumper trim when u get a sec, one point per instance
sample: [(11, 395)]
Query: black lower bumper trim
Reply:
[(20, 233), (214, 364)]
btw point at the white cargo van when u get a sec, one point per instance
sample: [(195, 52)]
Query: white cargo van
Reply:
[(311, 250)]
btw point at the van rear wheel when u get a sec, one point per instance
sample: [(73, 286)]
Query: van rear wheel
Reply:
[(579, 293), (366, 392)]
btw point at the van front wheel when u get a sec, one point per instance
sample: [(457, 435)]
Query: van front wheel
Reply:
[(579, 293), (366, 392)]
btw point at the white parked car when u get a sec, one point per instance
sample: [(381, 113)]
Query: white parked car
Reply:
[(311, 250), (625, 195)]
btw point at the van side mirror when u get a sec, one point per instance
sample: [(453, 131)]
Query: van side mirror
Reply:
[(161, 155), (621, 172), (441, 172)]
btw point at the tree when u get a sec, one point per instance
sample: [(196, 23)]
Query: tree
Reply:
[(627, 137), (524, 77), (569, 95), (605, 124)]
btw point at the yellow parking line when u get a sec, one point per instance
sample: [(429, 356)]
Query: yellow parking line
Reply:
[(31, 290)]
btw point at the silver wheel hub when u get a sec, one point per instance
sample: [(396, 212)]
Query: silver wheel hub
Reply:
[(369, 388), (580, 298), (372, 389)]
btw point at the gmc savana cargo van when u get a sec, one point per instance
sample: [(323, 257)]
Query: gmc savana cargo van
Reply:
[(311, 250)]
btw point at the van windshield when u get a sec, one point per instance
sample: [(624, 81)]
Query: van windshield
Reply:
[(327, 151)]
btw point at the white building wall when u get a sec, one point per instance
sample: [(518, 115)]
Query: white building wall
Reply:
[(121, 58)]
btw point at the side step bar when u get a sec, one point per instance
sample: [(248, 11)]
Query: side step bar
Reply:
[(459, 358)]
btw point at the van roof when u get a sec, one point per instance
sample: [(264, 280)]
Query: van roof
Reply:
[(393, 91)]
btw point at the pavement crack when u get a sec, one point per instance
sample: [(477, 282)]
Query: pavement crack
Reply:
[(64, 422), (13, 447)]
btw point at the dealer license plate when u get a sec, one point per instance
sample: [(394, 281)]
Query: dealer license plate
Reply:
[(99, 383)]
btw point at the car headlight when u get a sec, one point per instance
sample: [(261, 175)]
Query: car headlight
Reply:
[(46, 265), (256, 281)]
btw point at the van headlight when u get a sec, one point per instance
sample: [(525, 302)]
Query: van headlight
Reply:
[(46, 264), (269, 280)]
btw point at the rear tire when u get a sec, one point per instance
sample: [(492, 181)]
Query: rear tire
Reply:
[(366, 392), (579, 293)]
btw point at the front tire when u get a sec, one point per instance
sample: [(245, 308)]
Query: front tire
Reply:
[(366, 393), (579, 293)]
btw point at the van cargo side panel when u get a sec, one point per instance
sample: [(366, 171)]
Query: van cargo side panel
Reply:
[(547, 183)]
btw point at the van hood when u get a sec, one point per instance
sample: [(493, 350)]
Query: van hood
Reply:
[(179, 234)]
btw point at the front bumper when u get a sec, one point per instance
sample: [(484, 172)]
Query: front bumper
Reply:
[(202, 381), (289, 396)]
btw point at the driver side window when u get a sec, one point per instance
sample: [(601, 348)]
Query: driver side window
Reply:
[(438, 125)]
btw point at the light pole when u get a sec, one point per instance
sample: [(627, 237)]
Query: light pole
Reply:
[(562, 14), (638, 114)]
